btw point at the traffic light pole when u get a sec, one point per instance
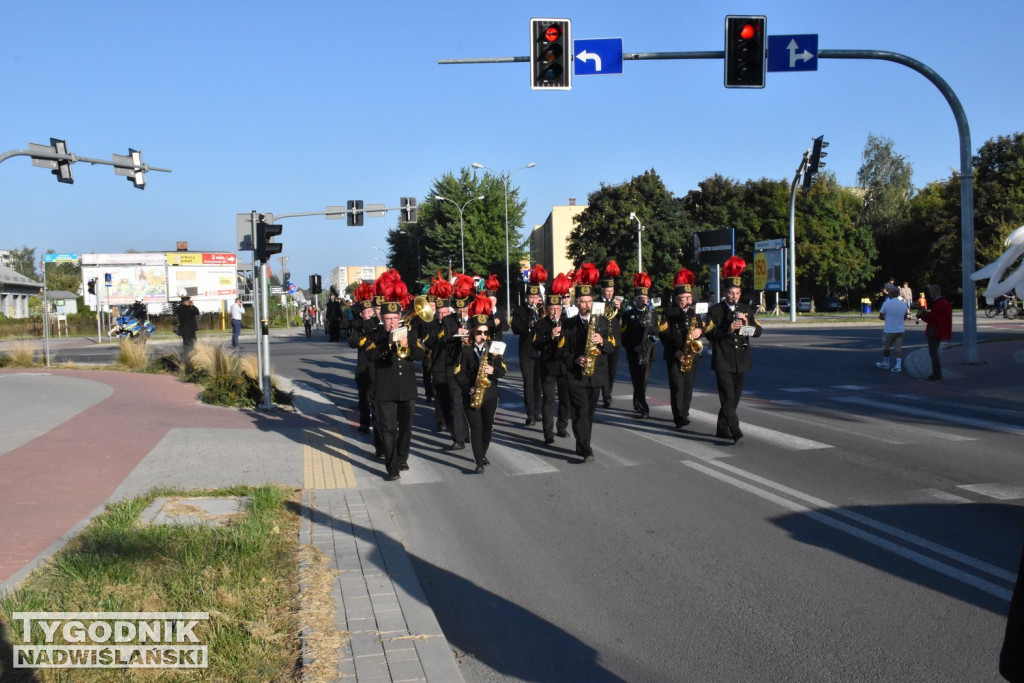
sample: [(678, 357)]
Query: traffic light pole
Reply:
[(792, 234), (256, 308), (970, 297)]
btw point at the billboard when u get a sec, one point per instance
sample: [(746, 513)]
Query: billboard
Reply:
[(160, 277)]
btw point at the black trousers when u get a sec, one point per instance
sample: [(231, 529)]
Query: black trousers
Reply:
[(481, 424), (363, 386), (442, 402), (583, 400), (532, 382), (458, 426), (428, 383), (680, 389), (556, 390), (395, 421), (933, 351), (640, 374), (730, 388), (613, 368)]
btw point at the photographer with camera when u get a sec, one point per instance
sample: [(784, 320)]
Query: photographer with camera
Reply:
[(939, 317)]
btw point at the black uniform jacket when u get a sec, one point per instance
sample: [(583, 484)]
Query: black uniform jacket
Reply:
[(394, 378), (730, 351), (574, 343), (637, 328), (524, 319), (469, 366), (674, 329), (547, 344)]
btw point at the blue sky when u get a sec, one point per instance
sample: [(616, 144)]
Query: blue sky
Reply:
[(291, 107)]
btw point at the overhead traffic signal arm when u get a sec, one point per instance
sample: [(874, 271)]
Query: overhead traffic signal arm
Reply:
[(745, 51), (550, 54)]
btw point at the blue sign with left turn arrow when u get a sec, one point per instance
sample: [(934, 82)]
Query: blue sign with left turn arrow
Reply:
[(597, 56)]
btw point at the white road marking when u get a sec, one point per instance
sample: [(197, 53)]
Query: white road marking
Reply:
[(518, 462), (888, 407), (777, 438), (997, 491), (913, 556)]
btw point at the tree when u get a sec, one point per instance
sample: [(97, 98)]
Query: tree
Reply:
[(998, 194), (885, 177), (24, 261), (63, 275), (437, 239), (605, 231)]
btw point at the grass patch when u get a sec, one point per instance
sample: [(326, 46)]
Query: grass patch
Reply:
[(245, 574), (132, 354), (20, 355)]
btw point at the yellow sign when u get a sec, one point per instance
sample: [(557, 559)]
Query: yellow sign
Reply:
[(760, 271), (176, 259)]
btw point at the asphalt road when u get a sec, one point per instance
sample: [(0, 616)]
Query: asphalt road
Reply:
[(868, 528)]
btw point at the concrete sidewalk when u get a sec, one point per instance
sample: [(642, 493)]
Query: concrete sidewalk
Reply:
[(59, 471)]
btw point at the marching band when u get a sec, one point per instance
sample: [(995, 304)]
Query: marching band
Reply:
[(567, 359)]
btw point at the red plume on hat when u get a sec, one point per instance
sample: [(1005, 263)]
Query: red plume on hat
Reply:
[(684, 277), (588, 274), (612, 269), (538, 275), (493, 284), (364, 292), (463, 287), (383, 283), (481, 305), (442, 288), (642, 281), (561, 285), (733, 267), (400, 292)]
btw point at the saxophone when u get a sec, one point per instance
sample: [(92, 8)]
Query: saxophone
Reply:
[(590, 351), (482, 381), (691, 346)]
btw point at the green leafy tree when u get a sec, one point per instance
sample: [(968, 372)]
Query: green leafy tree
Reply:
[(932, 231), (998, 194), (604, 231), (437, 240), (23, 260), (885, 177)]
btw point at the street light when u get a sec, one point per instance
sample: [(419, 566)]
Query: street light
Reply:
[(462, 235), (639, 243), (505, 179)]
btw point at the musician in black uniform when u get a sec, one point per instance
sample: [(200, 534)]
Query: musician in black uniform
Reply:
[(584, 391), (394, 392), (639, 330), (730, 357), (436, 343), (423, 333), (607, 297), (547, 335), (468, 375), (679, 328), (501, 326), (524, 319), (365, 323), (455, 332)]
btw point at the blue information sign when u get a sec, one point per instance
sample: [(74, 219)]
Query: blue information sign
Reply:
[(793, 53), (59, 258), (597, 56)]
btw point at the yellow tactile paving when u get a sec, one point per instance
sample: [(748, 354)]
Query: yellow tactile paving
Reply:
[(324, 462)]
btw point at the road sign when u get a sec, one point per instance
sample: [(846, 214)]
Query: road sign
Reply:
[(598, 56), (59, 258), (292, 288), (793, 53)]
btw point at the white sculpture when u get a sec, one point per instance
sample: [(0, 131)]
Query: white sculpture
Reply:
[(993, 272)]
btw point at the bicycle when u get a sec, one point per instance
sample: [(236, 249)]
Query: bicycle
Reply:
[(1008, 307)]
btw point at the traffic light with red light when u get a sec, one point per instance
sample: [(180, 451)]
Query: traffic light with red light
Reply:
[(745, 51), (265, 245), (550, 54)]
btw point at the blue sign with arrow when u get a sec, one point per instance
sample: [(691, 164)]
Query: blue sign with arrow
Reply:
[(793, 53), (597, 56)]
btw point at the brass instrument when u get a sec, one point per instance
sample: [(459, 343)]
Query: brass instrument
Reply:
[(692, 346), (611, 310), (590, 351), (420, 309), (482, 380)]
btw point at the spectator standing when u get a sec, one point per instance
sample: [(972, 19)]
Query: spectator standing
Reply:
[(940, 327), (236, 311), (188, 323), (894, 313)]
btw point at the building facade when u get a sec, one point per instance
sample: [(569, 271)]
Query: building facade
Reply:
[(550, 240)]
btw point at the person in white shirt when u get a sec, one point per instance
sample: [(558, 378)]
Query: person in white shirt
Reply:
[(236, 311), (894, 313)]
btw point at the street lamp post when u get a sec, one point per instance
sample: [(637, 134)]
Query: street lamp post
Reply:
[(639, 242), (462, 234), (505, 179)]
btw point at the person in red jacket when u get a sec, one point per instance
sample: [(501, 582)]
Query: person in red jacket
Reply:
[(940, 326)]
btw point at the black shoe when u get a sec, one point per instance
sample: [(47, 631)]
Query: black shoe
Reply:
[(549, 439), (457, 446), (588, 458), (404, 467), (441, 428), (562, 433), (380, 456), (530, 421), (394, 477), (364, 429), (737, 440), (538, 418), (485, 461), (479, 469), (723, 435), (607, 403)]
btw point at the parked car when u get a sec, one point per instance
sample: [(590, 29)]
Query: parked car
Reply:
[(784, 305), (804, 304), (833, 304)]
